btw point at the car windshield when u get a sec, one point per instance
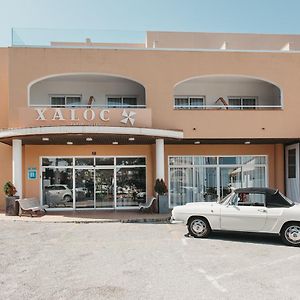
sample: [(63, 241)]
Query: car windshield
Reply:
[(224, 200)]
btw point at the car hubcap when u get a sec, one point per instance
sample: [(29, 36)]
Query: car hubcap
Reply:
[(198, 226), (292, 234)]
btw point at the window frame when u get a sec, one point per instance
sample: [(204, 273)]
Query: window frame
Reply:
[(189, 98), (122, 105), (65, 96), (242, 99)]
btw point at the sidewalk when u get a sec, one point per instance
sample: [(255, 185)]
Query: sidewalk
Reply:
[(127, 216)]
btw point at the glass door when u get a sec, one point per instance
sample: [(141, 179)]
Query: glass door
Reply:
[(104, 188), (84, 188)]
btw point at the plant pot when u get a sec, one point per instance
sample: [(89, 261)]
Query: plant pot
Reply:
[(12, 206), (163, 204)]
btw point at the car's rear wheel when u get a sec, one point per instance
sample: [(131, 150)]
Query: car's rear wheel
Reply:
[(67, 198), (290, 234), (199, 227)]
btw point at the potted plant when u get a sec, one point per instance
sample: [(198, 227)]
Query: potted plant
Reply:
[(161, 190), (12, 206)]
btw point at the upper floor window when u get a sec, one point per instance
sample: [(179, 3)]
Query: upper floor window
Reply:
[(186, 102), (242, 102), (65, 100), (121, 101)]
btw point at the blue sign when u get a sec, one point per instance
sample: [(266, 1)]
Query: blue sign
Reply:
[(32, 173)]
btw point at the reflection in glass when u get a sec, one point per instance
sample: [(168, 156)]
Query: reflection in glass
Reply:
[(131, 186), (229, 178), (230, 160), (84, 188), (84, 161), (131, 161), (205, 160), (181, 160), (57, 185), (104, 161), (254, 176), (104, 188), (57, 162)]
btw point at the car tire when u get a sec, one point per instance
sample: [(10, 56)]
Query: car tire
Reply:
[(67, 198), (290, 234), (199, 227)]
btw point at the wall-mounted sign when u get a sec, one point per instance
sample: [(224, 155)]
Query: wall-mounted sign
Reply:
[(32, 173)]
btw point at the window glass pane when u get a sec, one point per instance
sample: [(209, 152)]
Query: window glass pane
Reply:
[(105, 161), (131, 186), (253, 176), (84, 161), (230, 160), (292, 163), (257, 160), (57, 185), (73, 100), (251, 199), (235, 102), (181, 102), (203, 160), (129, 101), (229, 178), (114, 101), (129, 161), (196, 102), (181, 186), (181, 160), (248, 102), (205, 184), (84, 187), (57, 162), (57, 101)]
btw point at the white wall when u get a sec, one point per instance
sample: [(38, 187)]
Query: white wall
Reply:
[(39, 93), (267, 93)]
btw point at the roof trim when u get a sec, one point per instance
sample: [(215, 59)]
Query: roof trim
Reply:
[(162, 133)]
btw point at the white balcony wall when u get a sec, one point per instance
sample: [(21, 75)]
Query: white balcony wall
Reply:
[(100, 88), (213, 88)]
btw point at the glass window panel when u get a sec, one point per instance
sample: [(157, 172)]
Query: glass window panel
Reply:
[(131, 186), (73, 100), (205, 184), (248, 102), (104, 188), (181, 186), (251, 199), (292, 163), (58, 101), (196, 102), (129, 101), (230, 160), (181, 160), (253, 176), (257, 160), (129, 161), (57, 186), (229, 177), (84, 161), (104, 161), (205, 160), (57, 162), (181, 102), (114, 101), (84, 188), (235, 102)]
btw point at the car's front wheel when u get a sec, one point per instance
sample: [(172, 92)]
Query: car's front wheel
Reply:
[(198, 227), (290, 234)]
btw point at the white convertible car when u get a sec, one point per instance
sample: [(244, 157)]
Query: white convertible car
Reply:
[(260, 210)]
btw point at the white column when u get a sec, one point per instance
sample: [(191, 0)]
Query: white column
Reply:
[(160, 159), (17, 165)]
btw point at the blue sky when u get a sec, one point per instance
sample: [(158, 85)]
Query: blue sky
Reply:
[(255, 16)]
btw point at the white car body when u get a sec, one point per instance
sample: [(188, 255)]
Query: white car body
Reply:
[(231, 216)]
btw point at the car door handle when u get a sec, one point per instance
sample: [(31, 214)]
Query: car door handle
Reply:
[(262, 210)]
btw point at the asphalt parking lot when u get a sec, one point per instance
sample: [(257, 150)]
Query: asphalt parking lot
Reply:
[(141, 261)]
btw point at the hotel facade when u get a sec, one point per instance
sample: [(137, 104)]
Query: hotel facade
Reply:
[(92, 125)]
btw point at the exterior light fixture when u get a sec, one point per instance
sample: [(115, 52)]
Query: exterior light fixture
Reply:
[(131, 139), (88, 139), (197, 142), (69, 143), (115, 143), (45, 139), (247, 143)]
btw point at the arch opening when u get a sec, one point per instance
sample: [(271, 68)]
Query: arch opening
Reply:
[(87, 90), (227, 92)]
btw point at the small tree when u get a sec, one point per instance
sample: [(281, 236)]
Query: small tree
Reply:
[(9, 189), (160, 187)]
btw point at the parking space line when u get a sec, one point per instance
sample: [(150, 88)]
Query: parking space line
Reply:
[(213, 281)]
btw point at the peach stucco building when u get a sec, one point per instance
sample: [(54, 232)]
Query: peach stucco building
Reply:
[(92, 125)]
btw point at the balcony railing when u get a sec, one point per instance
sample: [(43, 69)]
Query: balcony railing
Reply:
[(90, 106), (228, 107)]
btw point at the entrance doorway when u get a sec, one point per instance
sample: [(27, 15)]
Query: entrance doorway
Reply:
[(93, 182)]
